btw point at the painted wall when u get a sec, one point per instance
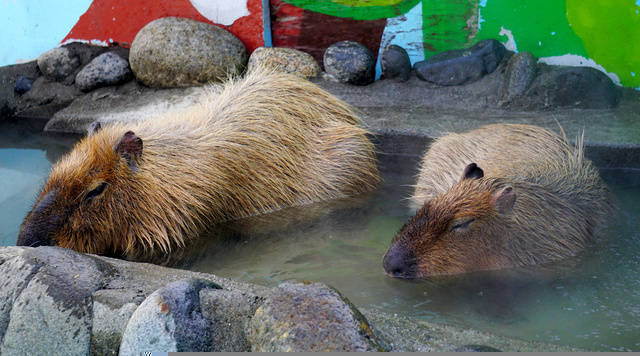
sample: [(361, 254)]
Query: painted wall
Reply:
[(602, 34)]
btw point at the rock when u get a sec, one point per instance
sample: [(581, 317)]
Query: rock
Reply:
[(106, 69), (575, 87), (58, 63), (112, 309), (287, 60), (8, 77), (395, 63), (45, 98), (521, 71), (349, 62), (23, 85), (476, 348), (180, 52), (229, 312), (170, 320), (53, 309), (303, 318), (461, 66)]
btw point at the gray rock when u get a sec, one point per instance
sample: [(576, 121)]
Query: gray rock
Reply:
[(112, 309), (349, 62), (23, 85), (106, 69), (8, 77), (287, 60), (53, 311), (575, 87), (302, 318), (170, 320), (229, 312), (395, 63), (476, 348), (180, 52), (58, 63), (520, 73), (462, 66), (45, 98)]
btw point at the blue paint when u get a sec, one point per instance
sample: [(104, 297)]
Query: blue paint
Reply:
[(483, 3), (266, 23), (406, 32), (32, 27), (637, 2)]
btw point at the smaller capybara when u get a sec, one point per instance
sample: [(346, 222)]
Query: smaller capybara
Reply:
[(144, 189), (496, 197)]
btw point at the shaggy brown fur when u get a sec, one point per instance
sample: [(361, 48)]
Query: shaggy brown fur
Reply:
[(534, 199), (257, 145)]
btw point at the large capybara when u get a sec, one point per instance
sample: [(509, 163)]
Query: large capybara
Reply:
[(499, 196), (259, 144)]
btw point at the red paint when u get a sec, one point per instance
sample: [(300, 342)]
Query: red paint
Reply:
[(286, 22), (130, 16)]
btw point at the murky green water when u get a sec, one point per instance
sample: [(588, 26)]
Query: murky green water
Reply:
[(590, 301)]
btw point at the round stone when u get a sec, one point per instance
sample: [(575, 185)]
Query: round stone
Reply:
[(395, 63), (58, 63), (22, 85), (349, 62), (285, 59), (180, 52), (106, 69)]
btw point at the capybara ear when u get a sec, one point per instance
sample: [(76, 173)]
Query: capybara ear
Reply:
[(93, 128), (472, 171), (503, 199), (130, 148)]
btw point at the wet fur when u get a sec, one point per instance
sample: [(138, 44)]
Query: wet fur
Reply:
[(560, 202), (257, 145)]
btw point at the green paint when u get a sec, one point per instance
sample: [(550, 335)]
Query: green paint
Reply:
[(357, 9), (538, 26), (610, 31), (447, 24)]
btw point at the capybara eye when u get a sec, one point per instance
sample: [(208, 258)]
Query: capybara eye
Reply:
[(97, 191), (462, 224)]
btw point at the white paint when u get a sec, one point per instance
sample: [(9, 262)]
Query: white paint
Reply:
[(511, 42), (224, 12), (92, 42), (579, 61), (539, 43)]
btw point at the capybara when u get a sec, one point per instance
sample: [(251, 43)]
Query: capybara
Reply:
[(258, 144), (499, 196)]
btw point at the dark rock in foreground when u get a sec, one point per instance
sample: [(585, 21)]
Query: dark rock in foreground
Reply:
[(395, 63), (23, 85), (180, 52), (349, 62), (462, 66), (520, 73), (106, 69)]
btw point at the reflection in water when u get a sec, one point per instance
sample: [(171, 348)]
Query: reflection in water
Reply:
[(592, 300)]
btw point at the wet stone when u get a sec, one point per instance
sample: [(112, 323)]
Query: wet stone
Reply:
[(170, 320), (106, 69), (521, 71), (461, 66), (349, 62), (395, 63), (287, 60), (309, 317), (58, 63), (179, 52), (23, 85)]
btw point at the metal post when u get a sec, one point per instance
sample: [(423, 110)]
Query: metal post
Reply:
[(266, 23)]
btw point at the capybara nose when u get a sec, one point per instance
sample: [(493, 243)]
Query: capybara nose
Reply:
[(397, 263)]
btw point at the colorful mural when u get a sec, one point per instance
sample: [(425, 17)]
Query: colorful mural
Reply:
[(601, 34)]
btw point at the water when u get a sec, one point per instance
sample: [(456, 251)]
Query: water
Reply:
[(590, 301)]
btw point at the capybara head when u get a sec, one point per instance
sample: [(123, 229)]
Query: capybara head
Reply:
[(457, 232), (84, 201)]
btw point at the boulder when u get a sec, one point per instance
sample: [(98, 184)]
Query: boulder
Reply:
[(287, 60), (45, 98), (349, 62), (395, 63), (180, 52), (106, 69), (569, 87), (58, 63), (170, 320), (461, 66), (8, 78), (309, 317)]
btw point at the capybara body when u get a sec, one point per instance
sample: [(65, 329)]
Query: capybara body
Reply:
[(499, 196), (257, 145)]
